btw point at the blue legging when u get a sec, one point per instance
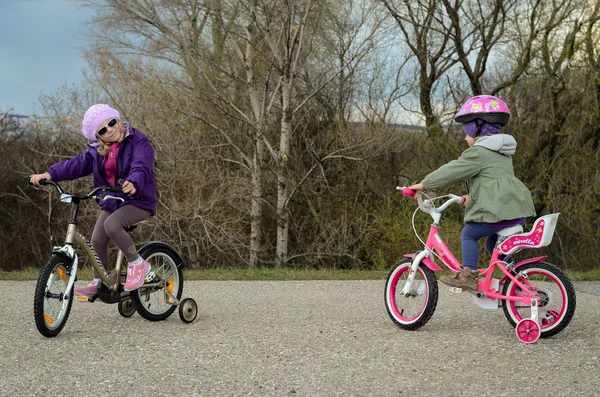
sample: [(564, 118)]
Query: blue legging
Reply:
[(472, 233)]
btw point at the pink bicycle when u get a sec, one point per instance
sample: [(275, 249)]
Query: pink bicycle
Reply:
[(538, 299)]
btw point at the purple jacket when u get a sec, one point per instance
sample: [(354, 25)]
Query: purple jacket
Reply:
[(134, 164)]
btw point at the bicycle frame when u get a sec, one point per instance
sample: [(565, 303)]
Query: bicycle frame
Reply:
[(73, 238), (488, 286), (112, 279), (54, 291)]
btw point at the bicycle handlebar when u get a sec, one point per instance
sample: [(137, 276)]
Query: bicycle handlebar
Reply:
[(427, 205), (453, 199), (92, 194)]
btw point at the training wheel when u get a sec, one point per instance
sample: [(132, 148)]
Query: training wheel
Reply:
[(528, 331), (126, 308), (188, 310)]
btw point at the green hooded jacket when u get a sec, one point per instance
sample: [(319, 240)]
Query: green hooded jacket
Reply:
[(495, 193)]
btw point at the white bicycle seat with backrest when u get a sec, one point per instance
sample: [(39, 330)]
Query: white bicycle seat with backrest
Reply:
[(539, 236)]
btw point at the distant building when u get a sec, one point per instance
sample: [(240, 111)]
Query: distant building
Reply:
[(17, 125)]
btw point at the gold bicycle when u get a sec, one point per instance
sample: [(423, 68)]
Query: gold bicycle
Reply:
[(155, 300)]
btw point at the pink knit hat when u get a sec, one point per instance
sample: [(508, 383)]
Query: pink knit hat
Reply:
[(94, 116)]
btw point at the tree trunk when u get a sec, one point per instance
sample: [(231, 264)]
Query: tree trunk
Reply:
[(259, 151), (283, 191), (257, 200), (434, 127)]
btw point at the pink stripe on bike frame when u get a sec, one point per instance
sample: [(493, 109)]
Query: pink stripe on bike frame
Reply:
[(435, 241)]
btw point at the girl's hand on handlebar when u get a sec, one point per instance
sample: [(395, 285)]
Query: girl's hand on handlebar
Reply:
[(35, 179), (464, 199), (418, 188), (128, 188)]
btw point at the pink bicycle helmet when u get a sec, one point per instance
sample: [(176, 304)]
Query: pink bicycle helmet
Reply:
[(485, 107)]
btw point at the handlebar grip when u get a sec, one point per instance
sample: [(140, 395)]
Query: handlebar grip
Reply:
[(115, 189), (406, 192), (42, 181)]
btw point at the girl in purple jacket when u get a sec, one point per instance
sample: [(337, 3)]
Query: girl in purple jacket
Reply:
[(119, 155)]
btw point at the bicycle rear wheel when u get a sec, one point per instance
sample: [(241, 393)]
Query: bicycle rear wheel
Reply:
[(52, 302), (155, 303), (413, 311), (556, 297)]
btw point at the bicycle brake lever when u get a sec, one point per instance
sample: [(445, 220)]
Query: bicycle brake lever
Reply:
[(463, 199), (108, 196)]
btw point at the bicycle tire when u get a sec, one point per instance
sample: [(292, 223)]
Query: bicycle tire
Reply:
[(151, 302), (50, 309), (126, 308), (424, 284), (557, 303)]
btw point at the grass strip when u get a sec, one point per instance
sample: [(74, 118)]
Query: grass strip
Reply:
[(266, 274), (272, 274)]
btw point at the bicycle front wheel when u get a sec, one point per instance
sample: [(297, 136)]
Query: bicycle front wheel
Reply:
[(413, 310), (157, 303), (555, 292), (52, 302)]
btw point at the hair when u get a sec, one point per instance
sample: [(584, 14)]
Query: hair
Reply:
[(104, 148)]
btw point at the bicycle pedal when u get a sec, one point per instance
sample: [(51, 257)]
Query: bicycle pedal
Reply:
[(149, 277), (82, 298), (456, 290)]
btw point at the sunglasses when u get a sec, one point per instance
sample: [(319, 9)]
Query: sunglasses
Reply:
[(104, 129)]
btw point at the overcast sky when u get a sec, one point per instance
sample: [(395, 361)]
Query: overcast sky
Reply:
[(41, 43)]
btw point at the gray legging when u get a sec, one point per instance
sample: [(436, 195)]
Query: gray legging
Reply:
[(110, 226)]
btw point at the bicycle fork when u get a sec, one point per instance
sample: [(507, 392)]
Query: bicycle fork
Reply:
[(406, 291), (68, 251)]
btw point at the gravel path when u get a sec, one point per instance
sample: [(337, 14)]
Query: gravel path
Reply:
[(308, 338)]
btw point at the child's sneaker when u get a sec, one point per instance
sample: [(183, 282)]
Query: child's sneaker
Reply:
[(466, 278), (135, 275), (89, 291)]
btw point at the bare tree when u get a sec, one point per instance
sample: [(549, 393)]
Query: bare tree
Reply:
[(291, 31), (10, 129), (475, 29), (592, 54), (186, 43), (422, 25), (233, 66)]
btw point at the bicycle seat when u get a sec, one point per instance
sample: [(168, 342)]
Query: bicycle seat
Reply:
[(539, 236), (132, 227)]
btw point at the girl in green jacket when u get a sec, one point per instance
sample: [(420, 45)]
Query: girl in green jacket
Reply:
[(497, 199)]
